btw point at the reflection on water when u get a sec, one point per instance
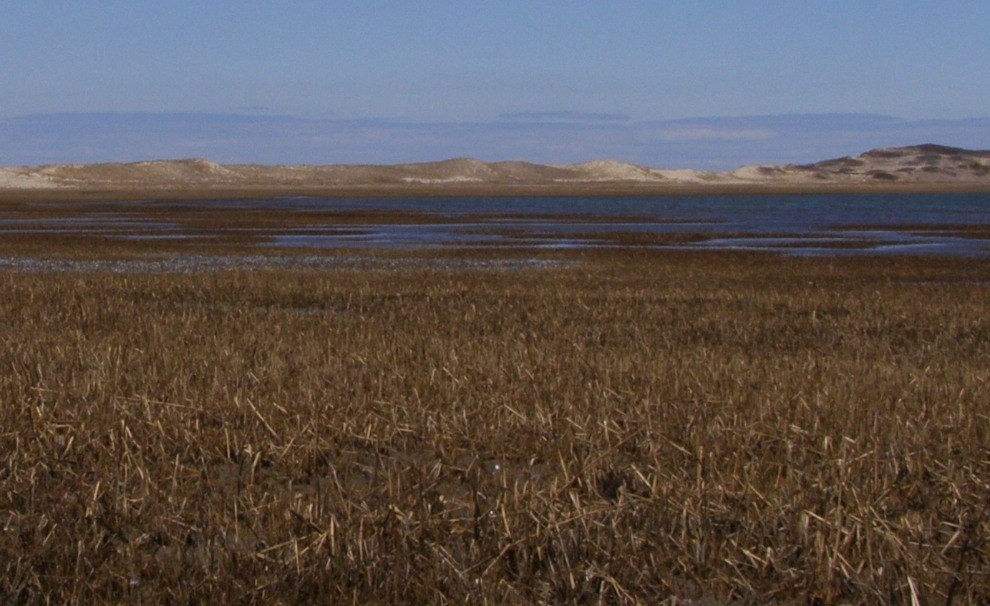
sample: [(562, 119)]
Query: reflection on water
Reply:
[(944, 224), (791, 225), (831, 242), (856, 242), (764, 213)]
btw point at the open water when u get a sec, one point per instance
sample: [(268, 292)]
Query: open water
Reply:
[(941, 224), (921, 224)]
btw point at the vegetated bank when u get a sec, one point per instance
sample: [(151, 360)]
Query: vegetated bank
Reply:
[(637, 427)]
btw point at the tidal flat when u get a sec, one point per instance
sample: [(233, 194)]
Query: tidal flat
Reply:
[(600, 425)]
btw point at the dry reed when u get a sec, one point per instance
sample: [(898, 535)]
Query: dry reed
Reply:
[(638, 428)]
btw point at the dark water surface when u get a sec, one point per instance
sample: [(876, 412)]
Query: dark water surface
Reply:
[(941, 224), (919, 224)]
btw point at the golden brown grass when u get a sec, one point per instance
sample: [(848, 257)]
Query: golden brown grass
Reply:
[(634, 429)]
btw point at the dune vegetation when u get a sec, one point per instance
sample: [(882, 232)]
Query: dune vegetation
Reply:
[(917, 168), (630, 428)]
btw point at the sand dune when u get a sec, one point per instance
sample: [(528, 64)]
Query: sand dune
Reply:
[(921, 164)]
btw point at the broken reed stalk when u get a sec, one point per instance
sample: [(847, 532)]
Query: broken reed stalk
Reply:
[(635, 428)]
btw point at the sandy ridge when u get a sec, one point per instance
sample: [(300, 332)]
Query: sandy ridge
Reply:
[(920, 165)]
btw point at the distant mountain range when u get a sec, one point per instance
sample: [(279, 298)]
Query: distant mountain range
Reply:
[(913, 165)]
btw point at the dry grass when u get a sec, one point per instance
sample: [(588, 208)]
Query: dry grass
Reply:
[(737, 428)]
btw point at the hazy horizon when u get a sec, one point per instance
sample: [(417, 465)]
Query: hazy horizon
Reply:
[(709, 143), (678, 84)]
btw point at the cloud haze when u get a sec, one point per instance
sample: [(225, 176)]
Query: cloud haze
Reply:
[(714, 143), (565, 117)]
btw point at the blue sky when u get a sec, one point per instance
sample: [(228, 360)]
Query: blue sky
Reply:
[(547, 81)]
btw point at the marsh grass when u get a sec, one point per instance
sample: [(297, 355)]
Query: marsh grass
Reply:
[(637, 428)]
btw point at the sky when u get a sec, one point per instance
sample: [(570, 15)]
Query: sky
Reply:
[(708, 84)]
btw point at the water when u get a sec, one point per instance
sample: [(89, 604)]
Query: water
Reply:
[(789, 225), (762, 213), (792, 225)]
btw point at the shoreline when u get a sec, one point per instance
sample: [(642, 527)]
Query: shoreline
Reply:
[(602, 190)]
